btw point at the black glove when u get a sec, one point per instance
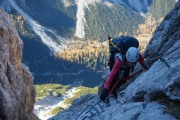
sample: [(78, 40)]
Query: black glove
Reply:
[(104, 94)]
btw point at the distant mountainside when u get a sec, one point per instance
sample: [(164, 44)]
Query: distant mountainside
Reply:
[(102, 21), (93, 18), (54, 23), (51, 14), (159, 8), (97, 19)]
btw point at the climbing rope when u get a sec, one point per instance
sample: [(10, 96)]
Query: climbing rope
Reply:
[(161, 57)]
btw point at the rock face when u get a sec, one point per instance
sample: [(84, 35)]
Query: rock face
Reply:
[(155, 92), (17, 93), (166, 35)]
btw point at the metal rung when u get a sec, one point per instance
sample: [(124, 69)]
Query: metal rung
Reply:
[(89, 111), (164, 61), (100, 106), (87, 117), (93, 107)]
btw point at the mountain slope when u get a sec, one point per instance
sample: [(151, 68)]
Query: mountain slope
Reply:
[(90, 18), (94, 14), (51, 14), (93, 17), (135, 5), (103, 21), (51, 38), (155, 94), (156, 9)]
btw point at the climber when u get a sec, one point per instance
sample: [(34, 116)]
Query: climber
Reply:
[(123, 64)]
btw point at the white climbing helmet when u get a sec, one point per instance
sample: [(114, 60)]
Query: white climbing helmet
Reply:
[(132, 54)]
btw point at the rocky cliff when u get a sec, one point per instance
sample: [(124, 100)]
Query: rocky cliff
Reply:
[(153, 95), (17, 93)]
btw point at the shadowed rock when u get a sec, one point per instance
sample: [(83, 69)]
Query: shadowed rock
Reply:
[(17, 93)]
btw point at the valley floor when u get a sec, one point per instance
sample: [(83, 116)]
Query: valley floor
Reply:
[(44, 107)]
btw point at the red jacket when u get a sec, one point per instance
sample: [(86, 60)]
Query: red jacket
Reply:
[(117, 66)]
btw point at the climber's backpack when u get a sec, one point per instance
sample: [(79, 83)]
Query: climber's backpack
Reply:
[(120, 44)]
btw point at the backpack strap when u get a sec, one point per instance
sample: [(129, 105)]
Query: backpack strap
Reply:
[(111, 61), (123, 47)]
